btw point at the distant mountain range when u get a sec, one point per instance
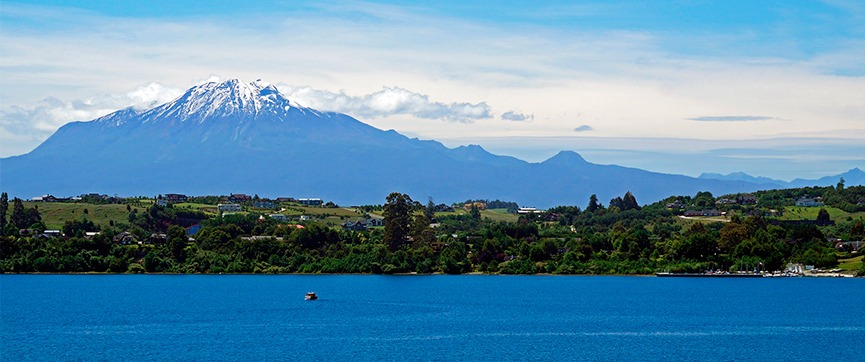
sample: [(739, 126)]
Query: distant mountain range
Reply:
[(234, 137), (854, 176)]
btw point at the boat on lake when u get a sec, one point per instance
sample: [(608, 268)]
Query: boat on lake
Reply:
[(310, 296)]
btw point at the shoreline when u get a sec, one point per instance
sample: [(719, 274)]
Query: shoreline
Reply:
[(684, 275)]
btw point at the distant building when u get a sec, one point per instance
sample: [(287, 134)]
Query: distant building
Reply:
[(45, 198), (305, 218), (443, 208), (264, 205), (238, 198), (162, 202), (710, 212), (310, 201), (809, 202), (229, 207), (354, 225), (52, 233), (175, 198), (747, 199), (675, 205), (278, 217)]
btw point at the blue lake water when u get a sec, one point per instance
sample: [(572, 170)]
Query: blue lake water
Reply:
[(428, 318)]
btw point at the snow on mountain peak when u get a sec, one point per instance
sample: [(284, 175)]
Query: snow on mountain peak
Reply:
[(230, 98)]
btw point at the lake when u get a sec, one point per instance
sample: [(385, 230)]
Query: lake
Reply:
[(429, 318)]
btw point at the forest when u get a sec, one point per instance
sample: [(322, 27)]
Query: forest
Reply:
[(759, 231)]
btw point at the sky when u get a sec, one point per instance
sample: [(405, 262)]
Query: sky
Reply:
[(771, 88)]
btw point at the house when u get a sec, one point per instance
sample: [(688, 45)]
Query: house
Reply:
[(52, 233), (354, 226), (678, 204), (725, 201), (157, 238), (175, 198), (746, 199), (373, 222), (264, 205), (552, 217), (278, 217), (124, 238), (809, 201), (305, 218), (162, 202), (228, 207), (310, 201), (238, 198), (443, 208), (45, 198)]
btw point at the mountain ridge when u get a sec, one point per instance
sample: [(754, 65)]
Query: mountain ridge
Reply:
[(227, 137)]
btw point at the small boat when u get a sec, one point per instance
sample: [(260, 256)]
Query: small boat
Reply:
[(310, 296)]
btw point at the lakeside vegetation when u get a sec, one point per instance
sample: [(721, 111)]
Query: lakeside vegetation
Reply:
[(762, 231)]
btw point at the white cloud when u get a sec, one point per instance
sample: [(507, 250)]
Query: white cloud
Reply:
[(517, 116), (389, 101), (18, 124)]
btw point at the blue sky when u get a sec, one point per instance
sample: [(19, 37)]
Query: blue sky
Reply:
[(772, 88)]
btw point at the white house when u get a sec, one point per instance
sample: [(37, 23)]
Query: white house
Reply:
[(808, 202)]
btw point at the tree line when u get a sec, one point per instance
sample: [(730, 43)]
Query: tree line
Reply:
[(619, 238)]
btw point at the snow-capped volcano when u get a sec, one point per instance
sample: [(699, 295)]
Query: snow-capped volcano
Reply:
[(230, 99), (231, 136)]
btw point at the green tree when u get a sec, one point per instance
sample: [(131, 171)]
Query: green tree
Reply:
[(397, 219), (593, 204), (19, 215), (475, 213), (4, 206), (176, 242), (823, 215), (629, 202), (857, 231), (430, 209)]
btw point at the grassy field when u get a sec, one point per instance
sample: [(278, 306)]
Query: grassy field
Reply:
[(54, 214), (208, 209), (810, 213), (499, 215), (851, 264)]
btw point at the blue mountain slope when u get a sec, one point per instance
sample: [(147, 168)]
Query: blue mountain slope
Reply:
[(233, 137)]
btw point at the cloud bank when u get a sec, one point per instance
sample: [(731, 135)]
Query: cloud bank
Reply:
[(389, 101), (46, 116)]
